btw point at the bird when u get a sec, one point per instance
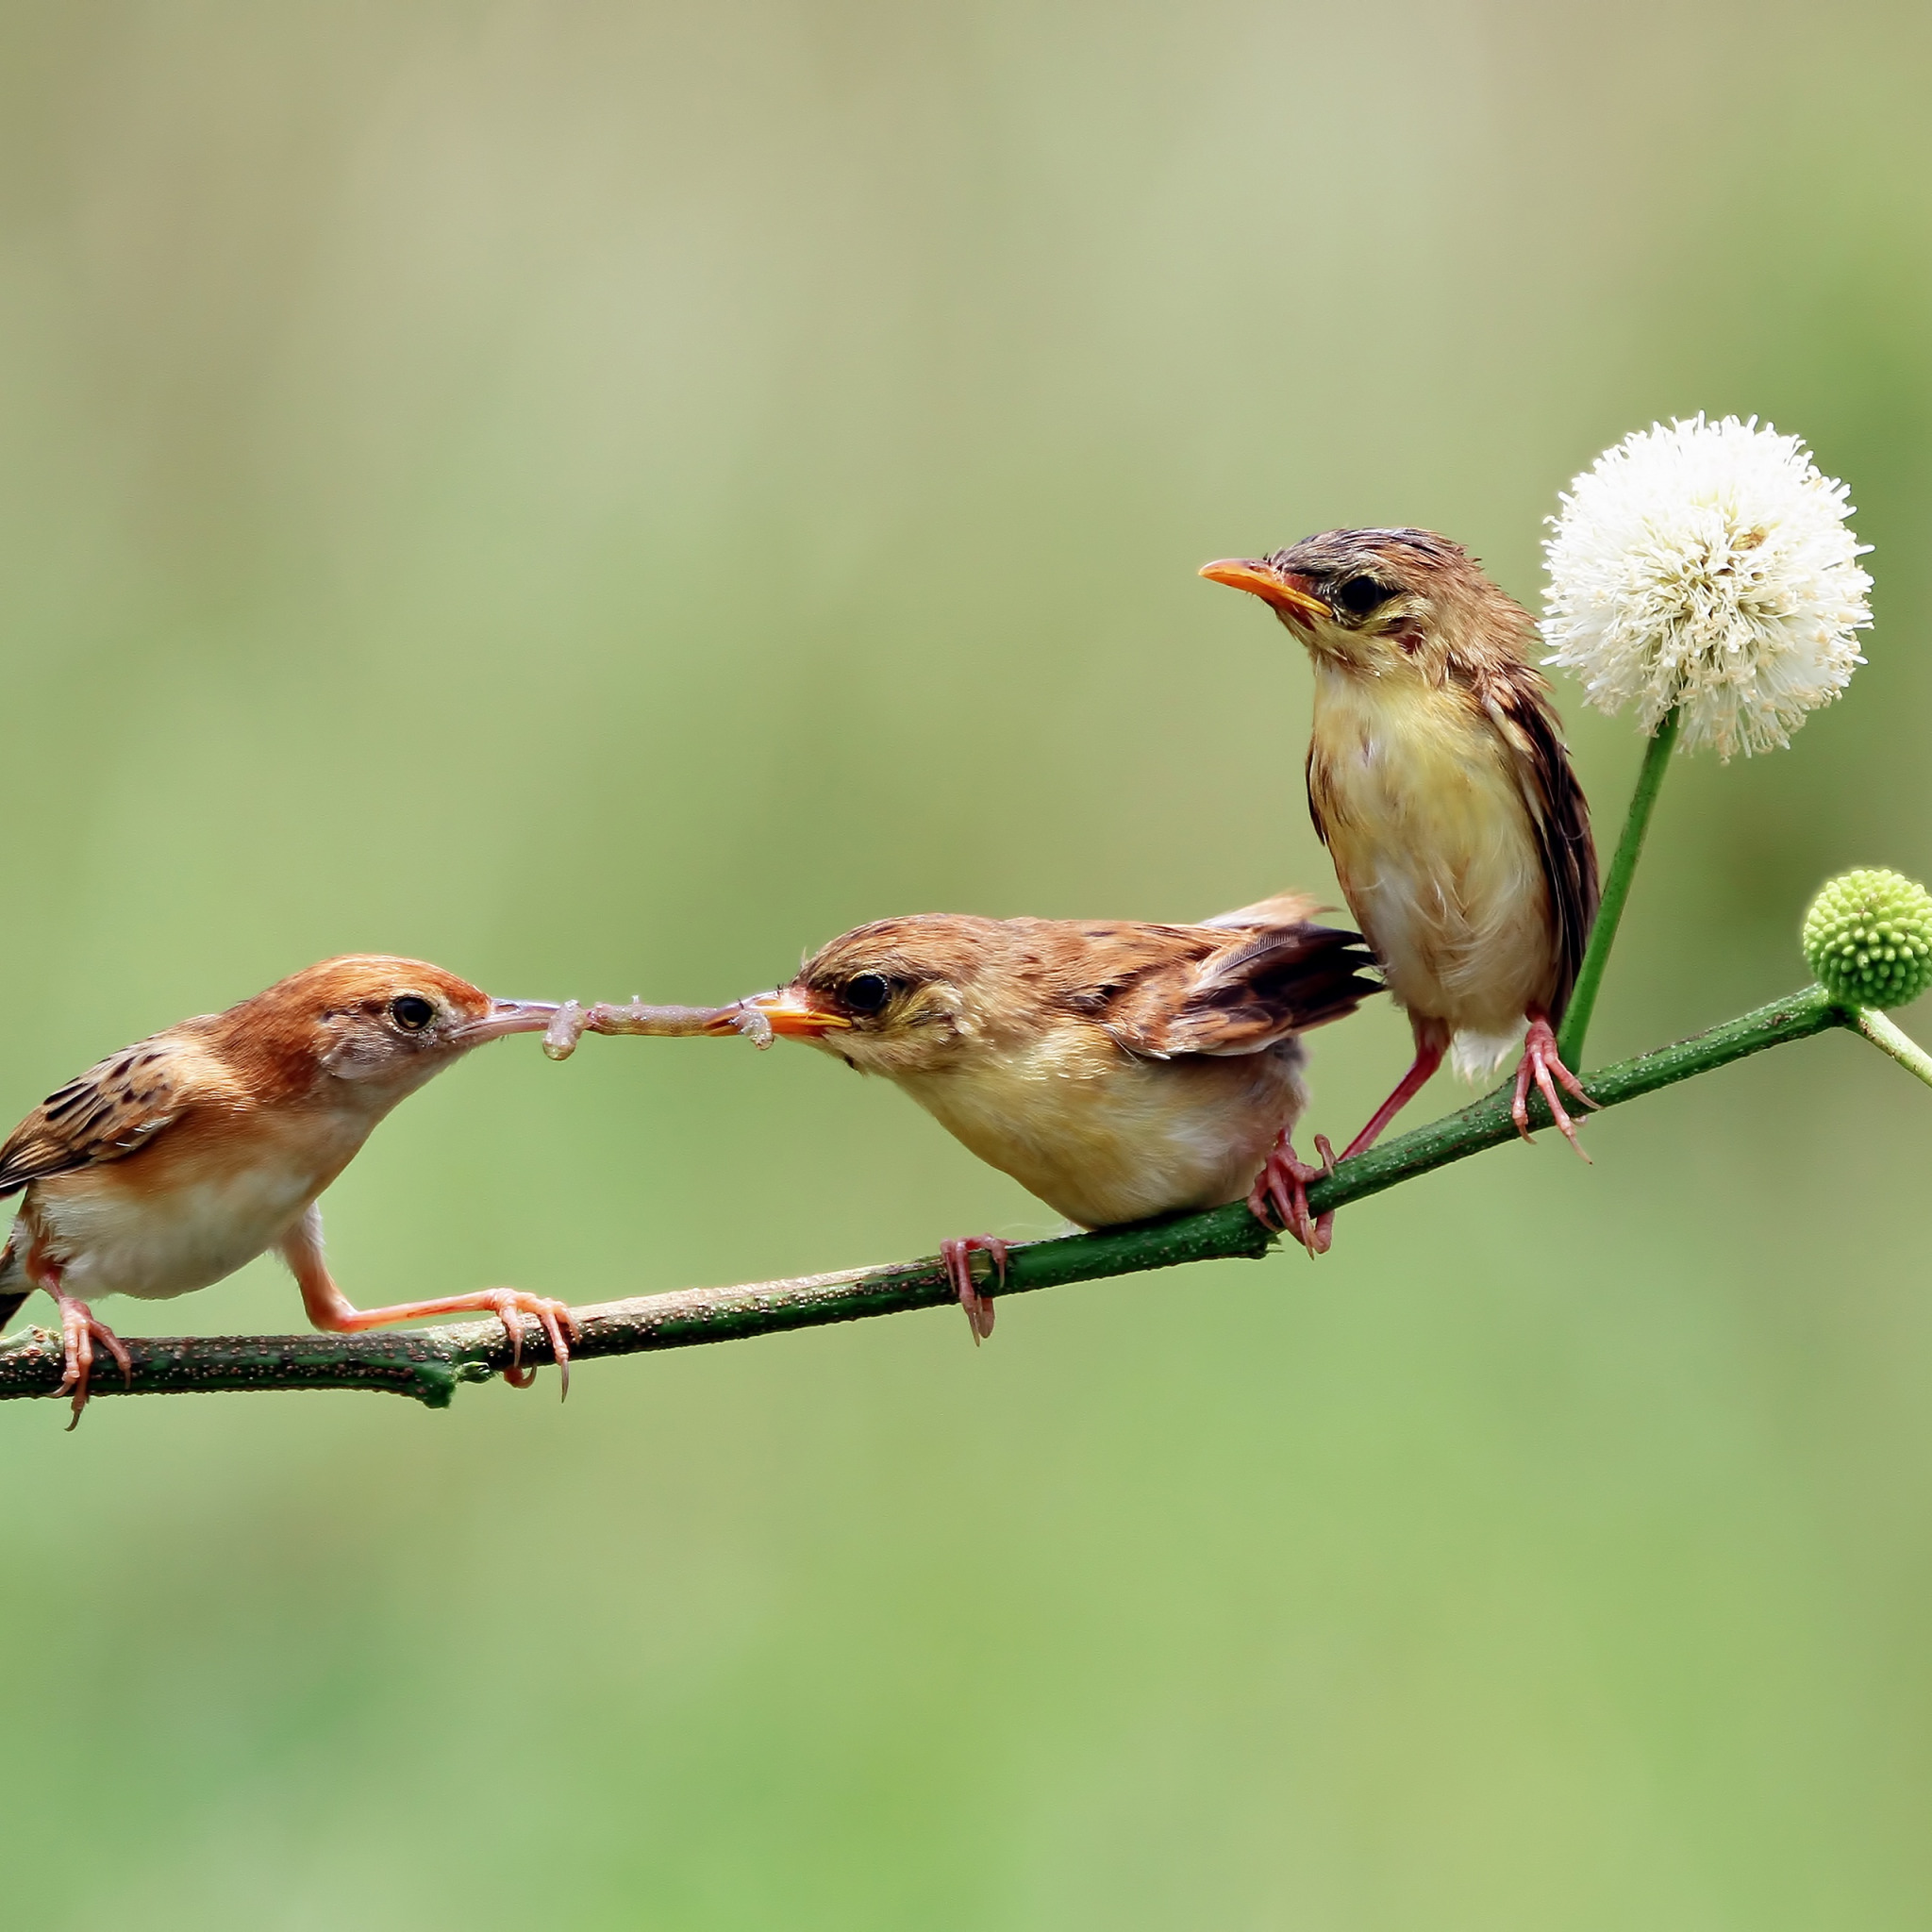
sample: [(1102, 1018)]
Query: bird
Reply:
[(177, 1160), (1439, 779), (1115, 1069)]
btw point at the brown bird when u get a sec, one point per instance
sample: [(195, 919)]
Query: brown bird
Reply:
[(1116, 1069), (1439, 780), (180, 1158)]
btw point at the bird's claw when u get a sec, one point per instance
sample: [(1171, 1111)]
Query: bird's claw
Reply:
[(1279, 1198), (510, 1305), (958, 1256), (79, 1331), (1541, 1063)]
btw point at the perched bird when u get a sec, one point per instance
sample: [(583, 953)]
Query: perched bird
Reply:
[(1439, 780), (178, 1160), (1116, 1069)]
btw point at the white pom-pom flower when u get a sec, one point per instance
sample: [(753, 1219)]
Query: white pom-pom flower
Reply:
[(1707, 568)]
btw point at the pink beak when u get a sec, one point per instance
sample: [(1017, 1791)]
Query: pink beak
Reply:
[(507, 1016)]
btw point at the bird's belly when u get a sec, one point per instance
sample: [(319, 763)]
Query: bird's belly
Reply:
[(1435, 851), (112, 1235), (1146, 1138)]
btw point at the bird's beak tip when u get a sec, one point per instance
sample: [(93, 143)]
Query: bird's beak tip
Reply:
[(1281, 589), (787, 1011), (509, 1016)]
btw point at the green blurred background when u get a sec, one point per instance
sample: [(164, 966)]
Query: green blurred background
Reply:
[(608, 496)]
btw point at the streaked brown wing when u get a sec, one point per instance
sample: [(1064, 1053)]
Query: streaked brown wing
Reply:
[(1519, 707), (1257, 984), (105, 1114), (1314, 780)]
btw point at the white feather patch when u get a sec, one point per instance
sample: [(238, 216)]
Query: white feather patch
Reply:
[(1479, 1057)]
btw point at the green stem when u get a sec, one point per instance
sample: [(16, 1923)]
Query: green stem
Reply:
[(428, 1363), (1900, 1046), (1609, 912)]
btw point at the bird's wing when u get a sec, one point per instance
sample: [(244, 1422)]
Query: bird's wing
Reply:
[(1248, 979), (1314, 788), (106, 1114), (1519, 707)]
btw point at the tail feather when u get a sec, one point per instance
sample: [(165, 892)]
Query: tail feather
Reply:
[(14, 1286), (1297, 977), (1278, 909), (1271, 980)]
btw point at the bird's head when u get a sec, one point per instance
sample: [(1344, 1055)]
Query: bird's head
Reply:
[(380, 1024), (902, 998), (1379, 602)]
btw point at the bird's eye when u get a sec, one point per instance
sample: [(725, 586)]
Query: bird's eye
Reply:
[(1360, 596), (867, 993), (412, 1011)]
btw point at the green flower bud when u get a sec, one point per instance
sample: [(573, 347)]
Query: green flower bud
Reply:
[(1868, 937)]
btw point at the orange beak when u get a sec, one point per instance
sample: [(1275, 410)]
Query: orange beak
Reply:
[(1281, 588), (786, 1010)]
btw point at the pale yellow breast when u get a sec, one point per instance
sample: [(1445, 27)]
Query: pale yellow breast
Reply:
[(1434, 847), (1102, 1138)]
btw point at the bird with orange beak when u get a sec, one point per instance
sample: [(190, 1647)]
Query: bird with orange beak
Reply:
[(1115, 1069), (175, 1161), (1439, 780)]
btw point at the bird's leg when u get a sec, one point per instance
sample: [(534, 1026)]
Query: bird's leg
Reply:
[(79, 1331), (1429, 1049), (509, 1304), (1541, 1063), (1279, 1198), (958, 1256), (331, 1310)]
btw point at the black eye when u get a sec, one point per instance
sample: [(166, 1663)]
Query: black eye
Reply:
[(412, 1011), (1360, 596), (867, 993)]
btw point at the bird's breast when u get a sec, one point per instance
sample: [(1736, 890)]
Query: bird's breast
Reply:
[(204, 1199), (1433, 844), (1103, 1137)]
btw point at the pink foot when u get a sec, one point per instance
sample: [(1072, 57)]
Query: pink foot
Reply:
[(509, 1306), (957, 1254), (1279, 1198), (79, 1332), (1541, 1063)]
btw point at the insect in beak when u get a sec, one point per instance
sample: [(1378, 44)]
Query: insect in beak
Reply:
[(785, 1010)]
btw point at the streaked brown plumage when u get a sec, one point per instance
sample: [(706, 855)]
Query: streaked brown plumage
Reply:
[(1117, 1070), (175, 1161), (1439, 780)]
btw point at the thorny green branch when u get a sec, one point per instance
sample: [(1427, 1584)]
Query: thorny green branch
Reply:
[(428, 1363)]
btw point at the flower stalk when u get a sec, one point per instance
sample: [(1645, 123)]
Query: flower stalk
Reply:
[(1891, 1040), (1616, 890)]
